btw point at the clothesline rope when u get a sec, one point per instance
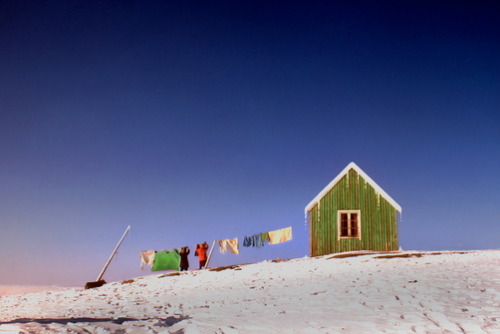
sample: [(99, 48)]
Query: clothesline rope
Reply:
[(255, 240)]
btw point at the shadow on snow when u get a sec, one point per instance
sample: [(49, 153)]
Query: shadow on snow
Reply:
[(166, 322)]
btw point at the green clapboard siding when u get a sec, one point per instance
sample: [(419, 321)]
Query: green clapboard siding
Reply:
[(378, 218)]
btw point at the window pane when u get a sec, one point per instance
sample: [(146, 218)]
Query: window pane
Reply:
[(343, 224), (349, 224)]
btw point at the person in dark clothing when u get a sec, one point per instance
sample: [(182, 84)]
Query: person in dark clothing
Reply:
[(201, 252), (184, 265)]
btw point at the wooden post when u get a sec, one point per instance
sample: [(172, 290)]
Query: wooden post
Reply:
[(113, 254), (210, 255)]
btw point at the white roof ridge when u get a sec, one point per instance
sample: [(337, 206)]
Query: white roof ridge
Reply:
[(368, 179)]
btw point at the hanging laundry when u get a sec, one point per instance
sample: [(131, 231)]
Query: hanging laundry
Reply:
[(264, 236), (253, 241), (258, 240), (166, 260), (147, 258), (247, 241), (233, 245), (281, 235)]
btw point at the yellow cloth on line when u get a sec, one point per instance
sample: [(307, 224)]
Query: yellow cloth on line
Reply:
[(281, 235), (232, 244)]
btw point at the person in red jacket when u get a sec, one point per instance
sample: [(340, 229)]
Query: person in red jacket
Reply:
[(201, 252)]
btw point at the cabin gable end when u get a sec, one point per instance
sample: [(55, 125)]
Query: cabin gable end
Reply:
[(352, 213)]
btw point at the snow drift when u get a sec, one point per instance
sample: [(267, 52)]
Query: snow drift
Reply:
[(359, 292)]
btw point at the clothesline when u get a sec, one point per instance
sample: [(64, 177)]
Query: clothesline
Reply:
[(291, 226), (258, 239), (255, 240)]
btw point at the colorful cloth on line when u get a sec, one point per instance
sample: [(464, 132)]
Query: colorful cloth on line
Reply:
[(166, 260), (232, 244), (281, 235), (253, 241), (264, 236), (147, 258)]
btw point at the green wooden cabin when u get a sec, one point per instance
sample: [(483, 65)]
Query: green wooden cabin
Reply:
[(352, 213)]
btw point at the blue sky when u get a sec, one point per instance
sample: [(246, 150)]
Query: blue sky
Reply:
[(194, 121)]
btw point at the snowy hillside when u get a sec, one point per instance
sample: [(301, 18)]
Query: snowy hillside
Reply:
[(402, 292)]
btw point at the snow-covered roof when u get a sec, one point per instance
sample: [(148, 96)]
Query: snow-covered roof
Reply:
[(368, 179)]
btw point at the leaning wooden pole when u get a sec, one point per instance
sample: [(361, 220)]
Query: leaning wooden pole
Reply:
[(113, 254), (210, 255)]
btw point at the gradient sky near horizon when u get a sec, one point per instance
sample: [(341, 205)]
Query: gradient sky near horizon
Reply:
[(198, 120)]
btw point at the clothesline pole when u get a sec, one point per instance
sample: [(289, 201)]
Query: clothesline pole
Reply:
[(210, 255), (113, 254)]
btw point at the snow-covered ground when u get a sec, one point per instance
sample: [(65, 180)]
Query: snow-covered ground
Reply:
[(402, 292), (17, 289)]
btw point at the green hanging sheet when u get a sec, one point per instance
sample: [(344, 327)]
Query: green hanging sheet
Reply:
[(165, 260)]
